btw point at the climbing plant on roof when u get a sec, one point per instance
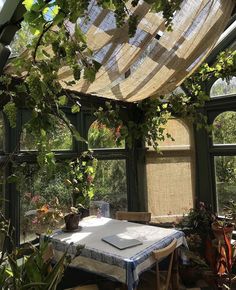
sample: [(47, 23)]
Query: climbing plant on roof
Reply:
[(154, 113), (52, 46)]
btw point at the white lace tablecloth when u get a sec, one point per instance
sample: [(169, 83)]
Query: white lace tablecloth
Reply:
[(101, 258)]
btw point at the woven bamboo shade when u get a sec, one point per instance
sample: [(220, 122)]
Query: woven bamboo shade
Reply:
[(155, 61)]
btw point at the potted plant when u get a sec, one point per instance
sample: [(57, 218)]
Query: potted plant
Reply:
[(80, 178), (196, 225), (72, 220), (29, 267)]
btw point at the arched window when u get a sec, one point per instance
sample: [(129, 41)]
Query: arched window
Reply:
[(99, 136), (110, 183), (224, 135), (224, 131), (222, 87), (60, 137)]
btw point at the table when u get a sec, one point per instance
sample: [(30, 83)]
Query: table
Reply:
[(103, 259)]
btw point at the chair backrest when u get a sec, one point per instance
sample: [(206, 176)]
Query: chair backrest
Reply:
[(134, 216), (160, 255)]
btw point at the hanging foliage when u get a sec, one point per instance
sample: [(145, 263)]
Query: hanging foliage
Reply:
[(154, 113), (52, 46)]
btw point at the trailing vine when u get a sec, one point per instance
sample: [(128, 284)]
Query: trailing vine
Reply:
[(154, 113), (52, 46)]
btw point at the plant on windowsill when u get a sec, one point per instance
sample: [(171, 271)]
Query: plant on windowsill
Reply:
[(80, 178)]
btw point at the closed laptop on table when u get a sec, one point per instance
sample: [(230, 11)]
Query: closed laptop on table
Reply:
[(121, 243)]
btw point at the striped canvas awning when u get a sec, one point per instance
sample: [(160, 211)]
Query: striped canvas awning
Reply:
[(155, 61)]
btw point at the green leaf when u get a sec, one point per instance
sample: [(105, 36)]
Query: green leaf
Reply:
[(75, 109), (28, 4), (59, 18), (108, 4), (79, 35), (55, 10), (96, 65), (45, 10), (63, 100), (12, 178), (89, 74), (10, 110)]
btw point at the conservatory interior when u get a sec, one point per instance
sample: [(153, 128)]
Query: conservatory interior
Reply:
[(117, 144)]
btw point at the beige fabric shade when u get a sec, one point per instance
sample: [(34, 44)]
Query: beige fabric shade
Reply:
[(155, 61)]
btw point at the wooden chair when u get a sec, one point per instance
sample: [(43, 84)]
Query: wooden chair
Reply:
[(134, 216), (160, 255)]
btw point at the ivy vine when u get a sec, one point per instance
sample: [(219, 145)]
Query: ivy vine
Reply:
[(154, 113), (37, 82)]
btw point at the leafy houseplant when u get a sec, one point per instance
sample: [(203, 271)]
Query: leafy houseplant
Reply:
[(80, 182), (209, 238), (28, 267), (198, 221)]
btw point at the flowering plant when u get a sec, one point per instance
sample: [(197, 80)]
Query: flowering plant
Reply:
[(45, 217)]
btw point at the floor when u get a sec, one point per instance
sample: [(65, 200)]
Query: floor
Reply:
[(73, 278)]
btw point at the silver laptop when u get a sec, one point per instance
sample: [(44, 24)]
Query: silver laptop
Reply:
[(121, 243)]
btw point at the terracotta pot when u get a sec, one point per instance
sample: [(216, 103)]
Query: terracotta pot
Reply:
[(72, 221), (219, 232)]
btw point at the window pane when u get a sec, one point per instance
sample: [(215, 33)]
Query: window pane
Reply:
[(225, 176), (224, 129), (60, 137), (99, 136), (42, 198), (2, 132), (221, 87), (110, 184)]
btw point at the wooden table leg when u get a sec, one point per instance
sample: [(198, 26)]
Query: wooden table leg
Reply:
[(175, 271)]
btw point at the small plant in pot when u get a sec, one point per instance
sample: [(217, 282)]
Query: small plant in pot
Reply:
[(81, 172), (72, 219), (196, 225)]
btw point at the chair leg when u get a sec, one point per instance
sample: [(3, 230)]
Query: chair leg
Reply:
[(169, 271), (175, 271), (158, 284)]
